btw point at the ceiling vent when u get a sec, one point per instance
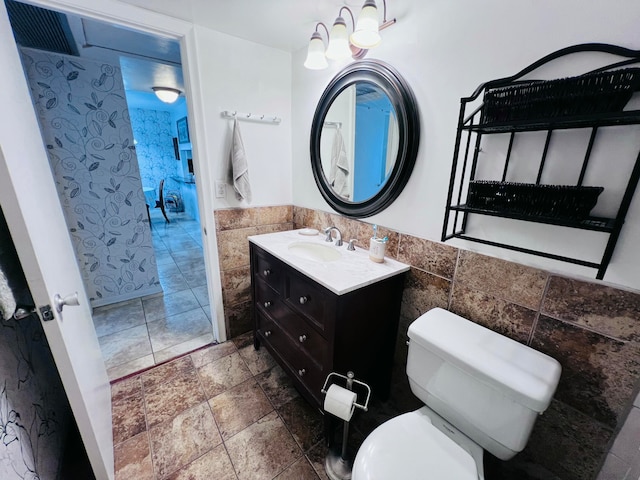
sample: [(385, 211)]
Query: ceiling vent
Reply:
[(42, 29)]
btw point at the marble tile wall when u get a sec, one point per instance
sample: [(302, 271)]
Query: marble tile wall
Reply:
[(233, 226), (592, 329)]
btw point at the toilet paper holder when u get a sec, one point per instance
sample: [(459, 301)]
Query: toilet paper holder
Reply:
[(350, 380)]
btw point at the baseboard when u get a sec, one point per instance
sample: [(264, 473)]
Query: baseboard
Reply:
[(143, 292)]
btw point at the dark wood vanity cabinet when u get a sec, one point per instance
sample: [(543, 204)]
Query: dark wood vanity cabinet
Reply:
[(311, 331)]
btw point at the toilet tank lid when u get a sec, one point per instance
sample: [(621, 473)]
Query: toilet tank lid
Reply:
[(526, 375)]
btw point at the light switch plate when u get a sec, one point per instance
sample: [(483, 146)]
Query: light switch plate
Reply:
[(221, 189)]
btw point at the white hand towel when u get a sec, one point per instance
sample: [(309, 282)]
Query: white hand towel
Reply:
[(7, 300), (239, 166), (339, 173)]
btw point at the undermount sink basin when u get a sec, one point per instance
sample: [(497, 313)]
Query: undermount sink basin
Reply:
[(314, 251)]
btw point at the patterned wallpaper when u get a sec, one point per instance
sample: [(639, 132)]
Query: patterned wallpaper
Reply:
[(34, 412), (85, 125), (152, 130)]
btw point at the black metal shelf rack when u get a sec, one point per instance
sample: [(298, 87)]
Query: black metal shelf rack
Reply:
[(465, 161)]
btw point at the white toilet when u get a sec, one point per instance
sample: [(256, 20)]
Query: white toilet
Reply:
[(482, 391)]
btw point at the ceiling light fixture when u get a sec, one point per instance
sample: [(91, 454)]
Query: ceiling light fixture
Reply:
[(341, 46), (166, 94)]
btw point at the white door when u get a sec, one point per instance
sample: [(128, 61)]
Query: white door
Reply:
[(30, 203)]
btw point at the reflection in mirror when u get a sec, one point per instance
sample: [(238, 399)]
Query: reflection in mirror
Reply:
[(359, 141), (364, 138)]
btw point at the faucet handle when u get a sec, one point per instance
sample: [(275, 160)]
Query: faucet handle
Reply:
[(327, 230), (351, 246)]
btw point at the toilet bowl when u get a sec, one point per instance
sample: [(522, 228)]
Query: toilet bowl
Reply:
[(481, 390)]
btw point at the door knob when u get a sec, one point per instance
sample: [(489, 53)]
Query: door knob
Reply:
[(60, 302)]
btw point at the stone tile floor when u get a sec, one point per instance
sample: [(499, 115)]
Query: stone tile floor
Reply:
[(223, 412), (143, 332)]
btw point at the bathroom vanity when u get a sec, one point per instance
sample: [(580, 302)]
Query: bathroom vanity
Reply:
[(319, 308)]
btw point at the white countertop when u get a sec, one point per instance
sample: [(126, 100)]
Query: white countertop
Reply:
[(351, 271)]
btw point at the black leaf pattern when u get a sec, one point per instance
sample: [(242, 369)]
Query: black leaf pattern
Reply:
[(59, 64), (77, 65), (44, 85), (51, 103), (58, 142), (74, 192), (94, 166), (111, 241), (89, 106), (73, 109), (72, 75)]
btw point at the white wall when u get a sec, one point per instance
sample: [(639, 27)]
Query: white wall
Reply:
[(445, 50), (242, 76)]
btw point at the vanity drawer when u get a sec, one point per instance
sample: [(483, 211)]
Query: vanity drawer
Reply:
[(269, 300), (310, 300), (304, 335), (303, 368), (269, 270)]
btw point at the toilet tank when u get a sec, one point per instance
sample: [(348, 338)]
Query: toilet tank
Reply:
[(488, 386)]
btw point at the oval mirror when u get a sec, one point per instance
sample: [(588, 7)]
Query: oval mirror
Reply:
[(364, 138)]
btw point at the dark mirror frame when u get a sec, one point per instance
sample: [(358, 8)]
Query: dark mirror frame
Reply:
[(404, 103)]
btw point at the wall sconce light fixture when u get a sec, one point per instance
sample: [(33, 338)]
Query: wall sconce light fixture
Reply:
[(341, 46), (166, 94)]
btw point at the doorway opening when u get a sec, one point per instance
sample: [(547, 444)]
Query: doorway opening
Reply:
[(144, 272)]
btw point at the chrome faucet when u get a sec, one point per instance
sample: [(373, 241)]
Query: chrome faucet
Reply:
[(328, 231)]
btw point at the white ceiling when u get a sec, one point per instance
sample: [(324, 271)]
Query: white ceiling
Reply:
[(282, 24)]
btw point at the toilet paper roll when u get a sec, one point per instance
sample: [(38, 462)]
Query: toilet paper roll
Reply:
[(340, 402)]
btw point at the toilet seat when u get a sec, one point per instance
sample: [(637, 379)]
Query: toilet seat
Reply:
[(411, 447)]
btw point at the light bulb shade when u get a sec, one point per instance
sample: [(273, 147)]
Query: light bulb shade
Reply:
[(315, 54), (166, 94), (338, 48), (366, 33)]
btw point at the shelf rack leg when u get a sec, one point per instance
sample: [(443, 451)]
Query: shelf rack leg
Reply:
[(622, 213), (453, 172)]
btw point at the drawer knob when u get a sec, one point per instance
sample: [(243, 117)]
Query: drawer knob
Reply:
[(304, 300), (302, 338), (267, 333), (266, 272), (267, 304), (301, 372)]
